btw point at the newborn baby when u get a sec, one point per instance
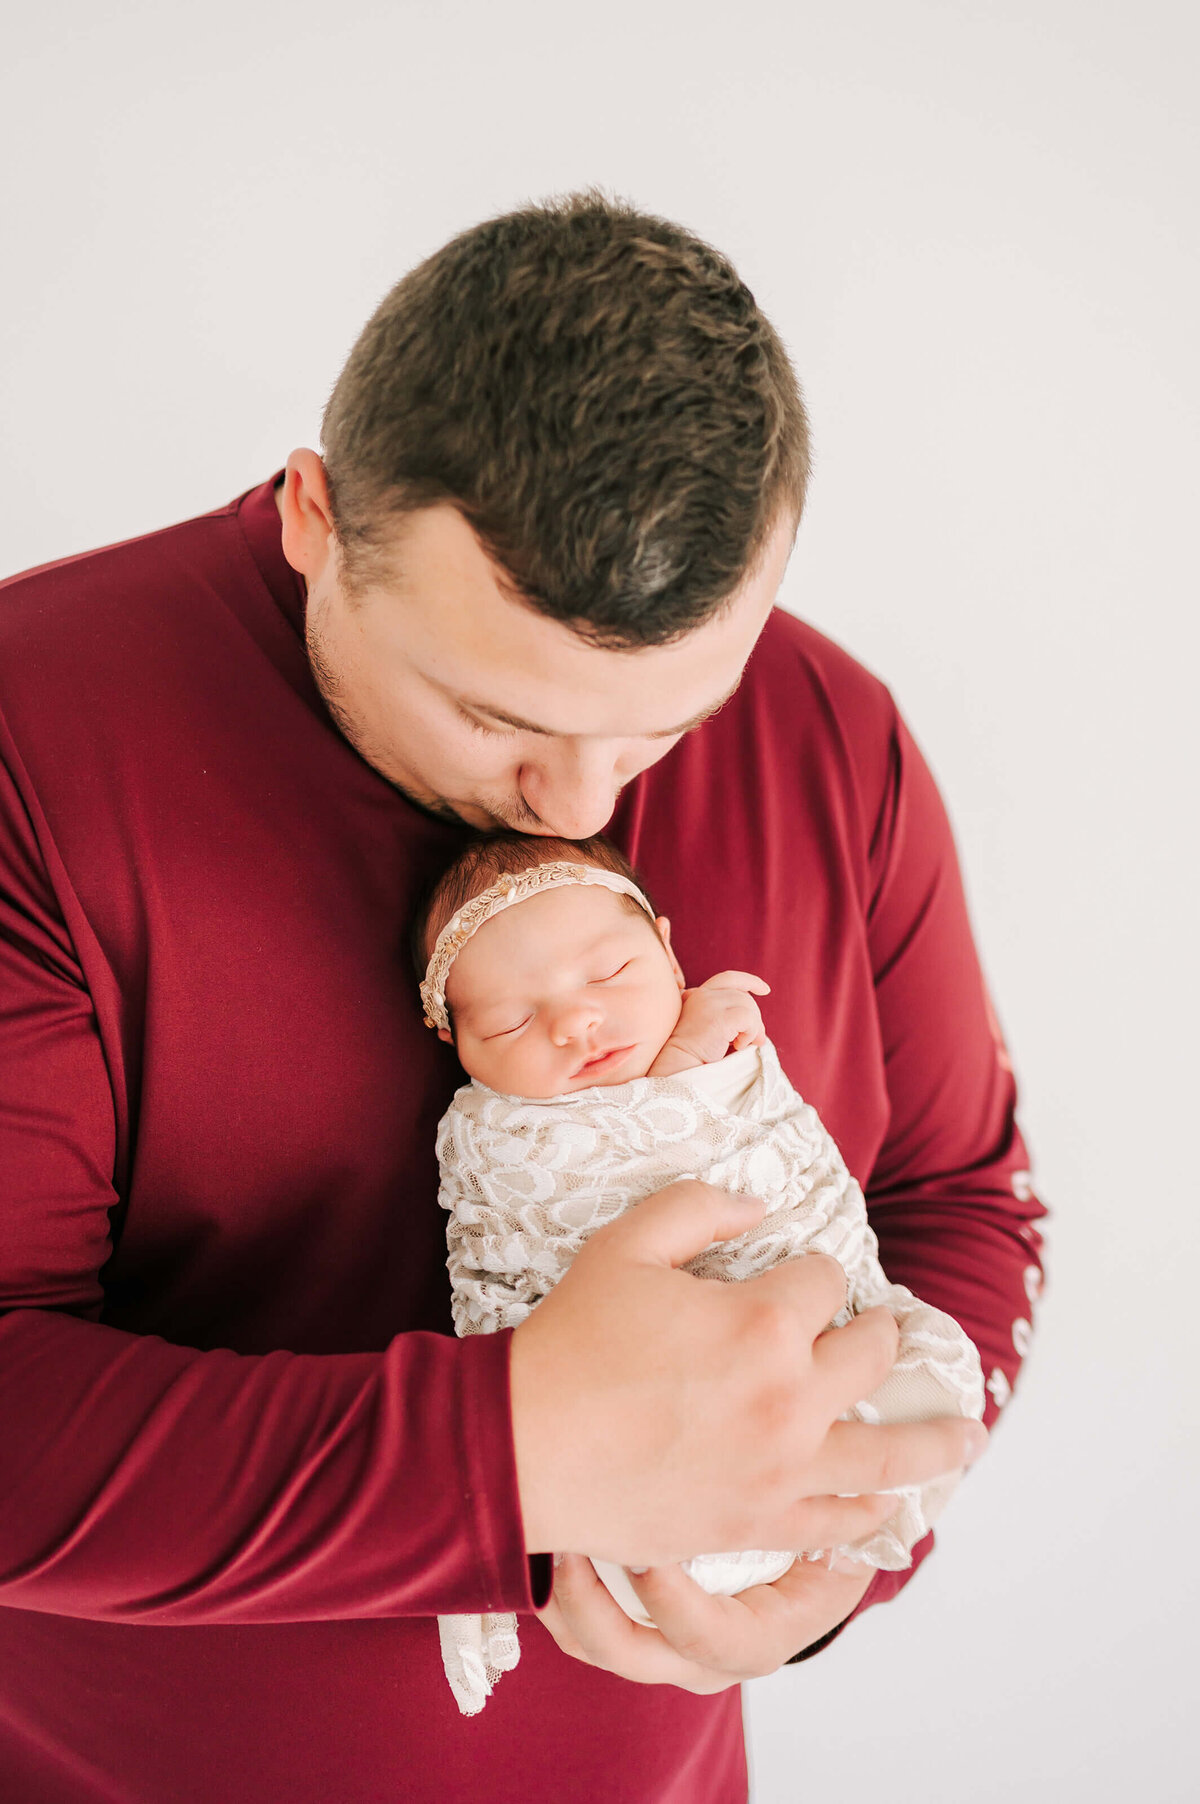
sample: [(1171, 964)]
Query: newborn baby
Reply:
[(597, 1078)]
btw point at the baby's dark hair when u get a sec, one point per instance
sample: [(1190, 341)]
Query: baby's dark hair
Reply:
[(481, 862)]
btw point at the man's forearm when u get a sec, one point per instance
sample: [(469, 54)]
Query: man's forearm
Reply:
[(146, 1482)]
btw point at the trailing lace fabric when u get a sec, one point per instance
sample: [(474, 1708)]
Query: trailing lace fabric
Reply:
[(475, 1651), (527, 1182)]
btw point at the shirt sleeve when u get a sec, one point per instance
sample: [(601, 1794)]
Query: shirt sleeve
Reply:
[(950, 1196), (152, 1483)]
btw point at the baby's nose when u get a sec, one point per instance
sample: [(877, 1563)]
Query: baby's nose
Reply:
[(572, 1021)]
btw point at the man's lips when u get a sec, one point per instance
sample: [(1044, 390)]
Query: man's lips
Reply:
[(604, 1061)]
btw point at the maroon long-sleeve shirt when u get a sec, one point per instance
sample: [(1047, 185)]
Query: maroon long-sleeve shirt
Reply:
[(243, 1459)]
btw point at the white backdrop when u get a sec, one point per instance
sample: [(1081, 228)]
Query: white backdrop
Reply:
[(974, 225)]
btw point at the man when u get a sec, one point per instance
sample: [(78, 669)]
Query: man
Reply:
[(245, 1463)]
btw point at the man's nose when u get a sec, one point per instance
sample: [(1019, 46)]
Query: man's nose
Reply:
[(573, 790), (573, 1020)]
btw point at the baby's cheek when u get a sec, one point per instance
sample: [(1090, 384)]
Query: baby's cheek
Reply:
[(489, 1063), (527, 1069), (512, 1072), (472, 1058), (670, 1013)]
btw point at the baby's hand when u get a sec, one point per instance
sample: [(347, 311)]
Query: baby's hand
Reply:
[(720, 1016)]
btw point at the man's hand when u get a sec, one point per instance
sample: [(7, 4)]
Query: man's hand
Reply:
[(657, 1416), (701, 1643), (719, 1016)]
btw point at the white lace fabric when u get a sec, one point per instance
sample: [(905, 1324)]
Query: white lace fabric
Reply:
[(526, 1182)]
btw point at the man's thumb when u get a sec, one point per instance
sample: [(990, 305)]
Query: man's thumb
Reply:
[(675, 1224)]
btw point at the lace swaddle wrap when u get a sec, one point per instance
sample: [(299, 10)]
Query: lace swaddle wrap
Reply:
[(527, 1182)]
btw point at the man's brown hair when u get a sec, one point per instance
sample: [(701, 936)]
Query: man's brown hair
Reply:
[(598, 393)]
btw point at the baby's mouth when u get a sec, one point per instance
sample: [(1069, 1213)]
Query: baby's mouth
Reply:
[(602, 1062)]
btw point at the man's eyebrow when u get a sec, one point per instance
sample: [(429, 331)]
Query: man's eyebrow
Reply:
[(532, 726)]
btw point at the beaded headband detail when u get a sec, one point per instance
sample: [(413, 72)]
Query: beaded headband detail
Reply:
[(513, 887)]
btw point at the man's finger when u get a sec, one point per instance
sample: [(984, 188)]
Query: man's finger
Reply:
[(677, 1223), (868, 1458), (553, 1620), (595, 1623), (815, 1286), (838, 1521), (755, 1632), (711, 1632), (852, 1361)]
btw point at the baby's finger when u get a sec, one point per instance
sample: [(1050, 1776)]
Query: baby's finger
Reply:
[(738, 980)]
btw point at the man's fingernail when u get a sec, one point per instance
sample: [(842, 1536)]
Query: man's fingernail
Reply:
[(637, 1571), (977, 1440), (558, 1559)]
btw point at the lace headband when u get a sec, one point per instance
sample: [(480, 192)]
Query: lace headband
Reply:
[(507, 890)]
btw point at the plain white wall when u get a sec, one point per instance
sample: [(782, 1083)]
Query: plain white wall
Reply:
[(974, 225)]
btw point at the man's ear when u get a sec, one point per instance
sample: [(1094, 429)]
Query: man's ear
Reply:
[(664, 934), (306, 514)]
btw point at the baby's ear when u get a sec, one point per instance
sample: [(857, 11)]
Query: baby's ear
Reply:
[(664, 934), (445, 1034)]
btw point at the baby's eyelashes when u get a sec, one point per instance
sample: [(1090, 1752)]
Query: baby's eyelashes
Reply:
[(504, 1032)]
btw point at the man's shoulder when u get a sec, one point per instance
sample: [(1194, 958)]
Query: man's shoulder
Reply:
[(807, 704), (128, 568), (796, 661), (102, 627)]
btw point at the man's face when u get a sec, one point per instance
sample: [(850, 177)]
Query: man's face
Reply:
[(481, 709)]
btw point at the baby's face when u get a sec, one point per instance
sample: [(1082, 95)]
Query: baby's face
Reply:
[(564, 990)]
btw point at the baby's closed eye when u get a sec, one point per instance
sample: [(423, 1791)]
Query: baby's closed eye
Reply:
[(504, 1032)]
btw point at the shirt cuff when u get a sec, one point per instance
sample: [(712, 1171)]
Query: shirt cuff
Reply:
[(509, 1578)]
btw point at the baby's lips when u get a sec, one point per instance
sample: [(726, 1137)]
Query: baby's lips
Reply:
[(596, 1058)]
